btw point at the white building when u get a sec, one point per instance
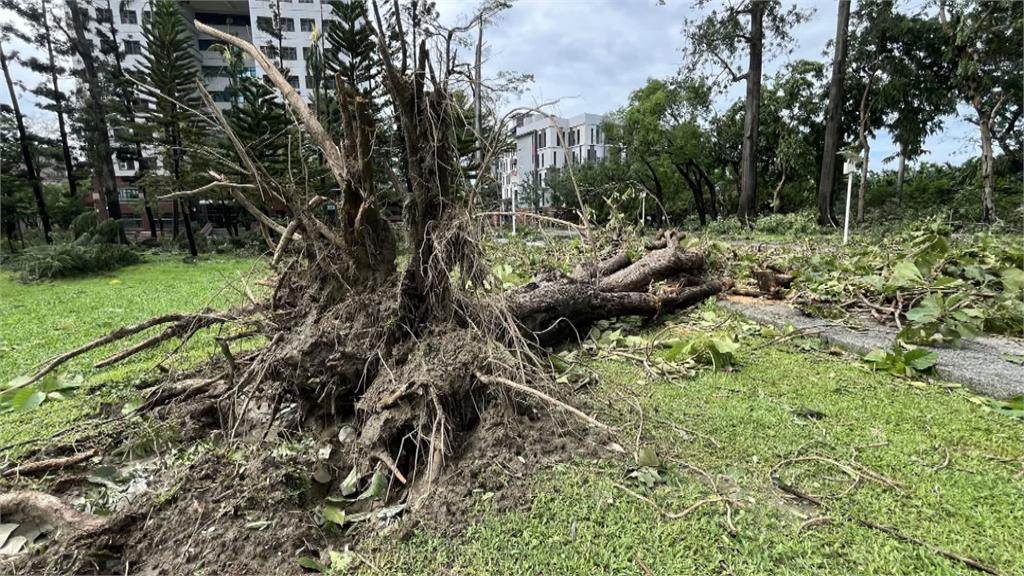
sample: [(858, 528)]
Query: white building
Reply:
[(540, 148), (242, 18)]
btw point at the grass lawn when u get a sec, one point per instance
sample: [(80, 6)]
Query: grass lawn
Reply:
[(38, 321), (958, 468), (580, 522)]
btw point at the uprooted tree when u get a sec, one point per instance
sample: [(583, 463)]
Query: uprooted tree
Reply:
[(408, 354)]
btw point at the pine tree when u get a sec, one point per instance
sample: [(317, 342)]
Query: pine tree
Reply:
[(170, 73), (351, 49), (41, 34), (31, 169)]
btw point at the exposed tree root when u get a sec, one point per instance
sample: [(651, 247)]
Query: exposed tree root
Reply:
[(46, 509)]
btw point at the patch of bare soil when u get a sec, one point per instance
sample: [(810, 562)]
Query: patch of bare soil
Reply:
[(255, 505)]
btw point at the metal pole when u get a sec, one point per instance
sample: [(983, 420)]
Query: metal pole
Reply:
[(643, 209), (514, 210), (846, 223)]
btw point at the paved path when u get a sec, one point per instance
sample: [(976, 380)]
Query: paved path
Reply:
[(979, 364)]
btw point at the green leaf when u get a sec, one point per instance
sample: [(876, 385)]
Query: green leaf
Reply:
[(378, 484), (921, 359), (725, 345), (311, 564), (1013, 279), (334, 514), (927, 310), (647, 457), (351, 483), (875, 356), (906, 274), (27, 399), (340, 561)]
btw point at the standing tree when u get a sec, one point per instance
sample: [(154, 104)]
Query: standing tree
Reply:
[(16, 193), (986, 41), (871, 55), (722, 39), (833, 126), (94, 75), (170, 74), (40, 20), (918, 88), (31, 170)]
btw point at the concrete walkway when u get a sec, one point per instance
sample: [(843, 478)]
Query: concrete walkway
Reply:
[(979, 364)]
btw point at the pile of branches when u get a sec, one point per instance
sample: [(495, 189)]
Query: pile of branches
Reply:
[(407, 356)]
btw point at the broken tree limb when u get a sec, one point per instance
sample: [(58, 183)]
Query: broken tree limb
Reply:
[(49, 464), (605, 267), (655, 266)]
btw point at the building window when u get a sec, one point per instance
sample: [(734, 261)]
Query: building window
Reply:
[(213, 71), (265, 23), (205, 44), (306, 51), (128, 193), (104, 15), (307, 24), (267, 50), (287, 24), (132, 47), (309, 82), (221, 96), (554, 158), (305, 1), (294, 81), (125, 164), (129, 16), (288, 53), (147, 15)]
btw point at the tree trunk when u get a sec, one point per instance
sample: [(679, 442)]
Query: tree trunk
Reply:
[(659, 192), (862, 139), (988, 200), (748, 180), (69, 165), (26, 152), (185, 205), (174, 221), (777, 195), (826, 181), (104, 180), (712, 192), (863, 184), (901, 174), (695, 185)]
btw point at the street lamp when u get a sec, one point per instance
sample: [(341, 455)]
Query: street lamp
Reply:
[(849, 168)]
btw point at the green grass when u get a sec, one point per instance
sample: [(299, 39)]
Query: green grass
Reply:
[(579, 522), (40, 320)]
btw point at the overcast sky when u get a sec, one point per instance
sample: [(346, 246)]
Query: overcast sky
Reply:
[(591, 54)]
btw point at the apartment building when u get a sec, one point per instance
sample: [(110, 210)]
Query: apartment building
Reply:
[(247, 19), (544, 143)]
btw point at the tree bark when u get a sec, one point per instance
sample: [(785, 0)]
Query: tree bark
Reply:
[(826, 181), (988, 200), (69, 165), (659, 192), (862, 139), (26, 152), (554, 307), (901, 174), (777, 195), (695, 185), (751, 121), (185, 209)]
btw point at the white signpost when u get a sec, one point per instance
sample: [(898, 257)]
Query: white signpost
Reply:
[(849, 169)]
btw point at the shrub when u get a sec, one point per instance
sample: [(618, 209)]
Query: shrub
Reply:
[(72, 259)]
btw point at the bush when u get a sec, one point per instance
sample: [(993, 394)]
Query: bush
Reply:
[(792, 224), (46, 262)]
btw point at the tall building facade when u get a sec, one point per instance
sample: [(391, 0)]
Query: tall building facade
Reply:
[(540, 148), (250, 20)]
